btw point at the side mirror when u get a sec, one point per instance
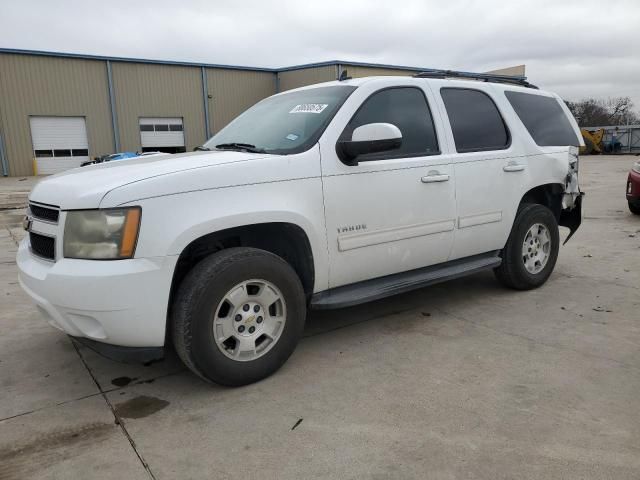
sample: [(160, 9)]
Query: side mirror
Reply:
[(369, 138)]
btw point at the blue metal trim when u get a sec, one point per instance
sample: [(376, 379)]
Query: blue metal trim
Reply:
[(344, 64), (132, 60), (112, 104), (205, 104), (3, 159)]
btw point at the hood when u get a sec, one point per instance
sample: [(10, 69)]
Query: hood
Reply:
[(86, 186)]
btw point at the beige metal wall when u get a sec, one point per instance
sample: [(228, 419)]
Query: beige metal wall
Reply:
[(517, 70), (56, 86), (34, 85), (305, 76), (233, 91), (149, 90), (358, 72)]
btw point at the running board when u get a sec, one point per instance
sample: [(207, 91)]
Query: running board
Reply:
[(382, 287)]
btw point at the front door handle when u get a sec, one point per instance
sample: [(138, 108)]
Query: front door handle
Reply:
[(434, 176), (513, 167)]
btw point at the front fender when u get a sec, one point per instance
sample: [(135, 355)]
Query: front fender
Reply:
[(170, 223)]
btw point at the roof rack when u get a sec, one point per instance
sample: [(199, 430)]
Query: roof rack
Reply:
[(485, 77)]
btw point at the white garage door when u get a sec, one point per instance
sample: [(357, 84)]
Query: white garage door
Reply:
[(165, 134), (59, 143)]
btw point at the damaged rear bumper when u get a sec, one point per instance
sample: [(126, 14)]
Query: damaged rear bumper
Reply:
[(572, 217)]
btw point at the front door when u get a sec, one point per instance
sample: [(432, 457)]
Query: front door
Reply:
[(393, 211)]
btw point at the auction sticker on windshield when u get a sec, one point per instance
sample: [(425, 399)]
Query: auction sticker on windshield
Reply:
[(309, 108)]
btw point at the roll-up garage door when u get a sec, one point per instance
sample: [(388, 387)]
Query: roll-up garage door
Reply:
[(162, 134), (59, 143)]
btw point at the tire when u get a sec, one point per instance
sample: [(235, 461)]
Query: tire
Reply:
[(202, 302), (514, 272), (634, 207)]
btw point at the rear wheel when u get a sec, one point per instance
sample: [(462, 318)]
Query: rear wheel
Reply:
[(634, 207), (238, 316), (531, 251)]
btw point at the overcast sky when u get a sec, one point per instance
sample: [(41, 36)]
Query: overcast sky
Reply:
[(576, 48)]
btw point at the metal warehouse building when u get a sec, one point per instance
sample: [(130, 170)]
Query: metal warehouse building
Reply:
[(58, 110)]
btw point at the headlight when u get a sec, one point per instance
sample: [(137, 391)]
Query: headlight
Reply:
[(636, 167), (101, 234)]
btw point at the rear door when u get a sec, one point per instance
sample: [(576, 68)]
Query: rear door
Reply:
[(394, 211), (489, 165)]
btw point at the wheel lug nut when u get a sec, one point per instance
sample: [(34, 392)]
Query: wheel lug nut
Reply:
[(256, 308), (238, 317), (241, 328), (252, 329), (259, 320), (246, 307)]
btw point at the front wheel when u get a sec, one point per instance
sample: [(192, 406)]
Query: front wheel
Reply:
[(531, 251), (238, 316), (634, 207)]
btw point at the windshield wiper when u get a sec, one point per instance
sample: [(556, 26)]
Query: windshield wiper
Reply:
[(201, 148), (240, 146)]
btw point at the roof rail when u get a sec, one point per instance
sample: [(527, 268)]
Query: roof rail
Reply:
[(485, 77)]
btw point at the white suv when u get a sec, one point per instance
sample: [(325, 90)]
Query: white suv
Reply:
[(322, 197)]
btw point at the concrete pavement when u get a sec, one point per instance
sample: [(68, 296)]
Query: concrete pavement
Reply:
[(460, 380)]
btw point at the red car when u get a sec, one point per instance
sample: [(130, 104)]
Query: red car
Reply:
[(633, 189)]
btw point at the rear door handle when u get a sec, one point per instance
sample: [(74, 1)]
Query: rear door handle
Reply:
[(434, 176), (513, 167)]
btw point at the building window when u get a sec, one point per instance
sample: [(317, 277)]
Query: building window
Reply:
[(175, 128), (62, 153), (44, 153), (80, 152), (162, 128), (146, 128)]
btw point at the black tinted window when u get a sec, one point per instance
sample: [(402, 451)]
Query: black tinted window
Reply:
[(407, 109), (544, 119), (475, 120)]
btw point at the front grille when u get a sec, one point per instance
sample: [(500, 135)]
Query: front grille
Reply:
[(42, 245), (44, 213)]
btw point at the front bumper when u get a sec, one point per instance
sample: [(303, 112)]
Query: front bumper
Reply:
[(633, 187), (123, 354), (120, 302)]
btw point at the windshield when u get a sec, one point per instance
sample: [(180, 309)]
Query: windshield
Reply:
[(283, 124)]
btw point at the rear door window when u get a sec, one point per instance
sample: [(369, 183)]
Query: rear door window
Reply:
[(475, 120), (544, 118)]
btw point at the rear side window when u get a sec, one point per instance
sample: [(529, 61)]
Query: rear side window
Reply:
[(407, 109), (475, 120), (544, 118)]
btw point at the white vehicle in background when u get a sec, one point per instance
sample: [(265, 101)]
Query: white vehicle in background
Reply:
[(322, 197)]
